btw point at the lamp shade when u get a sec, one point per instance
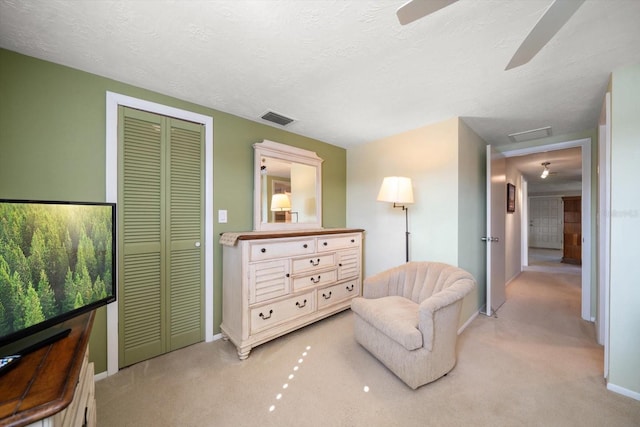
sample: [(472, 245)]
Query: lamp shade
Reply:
[(280, 202), (396, 189)]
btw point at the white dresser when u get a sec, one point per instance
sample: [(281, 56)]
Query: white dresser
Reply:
[(276, 282)]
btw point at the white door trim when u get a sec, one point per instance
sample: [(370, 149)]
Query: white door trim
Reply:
[(604, 228), (524, 224), (585, 145), (113, 101)]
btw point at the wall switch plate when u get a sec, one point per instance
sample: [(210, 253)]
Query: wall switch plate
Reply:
[(222, 216)]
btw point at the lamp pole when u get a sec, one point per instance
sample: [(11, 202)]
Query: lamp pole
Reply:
[(406, 222), (406, 227)]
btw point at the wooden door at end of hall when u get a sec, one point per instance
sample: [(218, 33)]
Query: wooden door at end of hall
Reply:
[(572, 230)]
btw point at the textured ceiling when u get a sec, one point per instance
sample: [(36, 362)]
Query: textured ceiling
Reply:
[(345, 70)]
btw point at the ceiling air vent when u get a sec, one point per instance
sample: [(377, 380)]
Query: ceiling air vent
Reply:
[(528, 135), (276, 118)]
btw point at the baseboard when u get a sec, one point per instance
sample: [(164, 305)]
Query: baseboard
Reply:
[(100, 376), (217, 337), (468, 322), (623, 391), (514, 277)]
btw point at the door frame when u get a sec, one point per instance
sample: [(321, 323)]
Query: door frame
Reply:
[(585, 145), (113, 100)]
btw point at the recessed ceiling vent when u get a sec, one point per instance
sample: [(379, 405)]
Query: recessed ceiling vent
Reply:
[(276, 118), (528, 135)]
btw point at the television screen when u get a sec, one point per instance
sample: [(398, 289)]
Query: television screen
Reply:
[(57, 260)]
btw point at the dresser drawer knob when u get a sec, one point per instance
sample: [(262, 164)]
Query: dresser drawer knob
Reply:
[(263, 250), (350, 288), (314, 280), (305, 246), (301, 305), (263, 317), (325, 296), (287, 275), (325, 244), (315, 263), (340, 265), (353, 240)]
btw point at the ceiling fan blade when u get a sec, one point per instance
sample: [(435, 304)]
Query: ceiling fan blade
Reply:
[(547, 26), (416, 9)]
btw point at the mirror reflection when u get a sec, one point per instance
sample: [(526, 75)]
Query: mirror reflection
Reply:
[(288, 191), (287, 187)]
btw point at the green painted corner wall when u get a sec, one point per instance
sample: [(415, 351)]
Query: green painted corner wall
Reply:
[(472, 214), (52, 145), (624, 298)]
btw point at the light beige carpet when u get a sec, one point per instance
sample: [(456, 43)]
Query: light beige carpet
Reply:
[(536, 364)]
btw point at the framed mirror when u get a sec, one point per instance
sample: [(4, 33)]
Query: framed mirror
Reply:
[(287, 187)]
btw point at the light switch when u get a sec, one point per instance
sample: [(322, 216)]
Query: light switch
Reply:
[(222, 216)]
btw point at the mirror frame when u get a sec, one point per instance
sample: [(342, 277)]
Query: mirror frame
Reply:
[(267, 148)]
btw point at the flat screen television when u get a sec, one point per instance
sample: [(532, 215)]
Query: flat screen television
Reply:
[(57, 261)]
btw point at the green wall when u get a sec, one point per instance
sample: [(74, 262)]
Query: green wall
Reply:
[(624, 299), (472, 213), (52, 147)]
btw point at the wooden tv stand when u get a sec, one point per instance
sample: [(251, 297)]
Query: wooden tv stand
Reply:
[(52, 386)]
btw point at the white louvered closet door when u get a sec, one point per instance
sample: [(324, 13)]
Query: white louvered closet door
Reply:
[(161, 210)]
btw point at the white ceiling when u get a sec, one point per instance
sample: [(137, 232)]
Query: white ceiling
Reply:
[(344, 69)]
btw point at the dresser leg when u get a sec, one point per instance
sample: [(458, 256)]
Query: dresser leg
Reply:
[(243, 352)]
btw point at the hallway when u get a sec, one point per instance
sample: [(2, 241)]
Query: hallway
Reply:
[(550, 260)]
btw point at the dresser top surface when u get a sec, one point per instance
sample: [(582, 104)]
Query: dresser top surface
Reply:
[(230, 238)]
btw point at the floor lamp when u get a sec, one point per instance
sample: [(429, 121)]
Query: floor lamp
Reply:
[(398, 190)]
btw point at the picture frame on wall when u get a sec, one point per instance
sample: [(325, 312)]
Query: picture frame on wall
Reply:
[(511, 198)]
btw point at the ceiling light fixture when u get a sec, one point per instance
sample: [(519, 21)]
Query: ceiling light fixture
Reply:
[(545, 171)]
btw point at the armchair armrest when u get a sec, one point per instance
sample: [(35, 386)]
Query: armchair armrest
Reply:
[(439, 301)]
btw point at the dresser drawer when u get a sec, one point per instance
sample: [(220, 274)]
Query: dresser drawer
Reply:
[(339, 242), (336, 293), (316, 279), (273, 314), (267, 250), (313, 262)]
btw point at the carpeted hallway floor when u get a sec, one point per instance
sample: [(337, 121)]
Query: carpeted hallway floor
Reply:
[(535, 364)]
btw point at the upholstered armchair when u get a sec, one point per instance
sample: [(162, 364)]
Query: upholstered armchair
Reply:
[(408, 318)]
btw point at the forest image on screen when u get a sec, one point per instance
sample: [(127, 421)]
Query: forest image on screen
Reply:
[(54, 258)]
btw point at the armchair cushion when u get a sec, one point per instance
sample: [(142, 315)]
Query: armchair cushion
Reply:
[(394, 316)]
